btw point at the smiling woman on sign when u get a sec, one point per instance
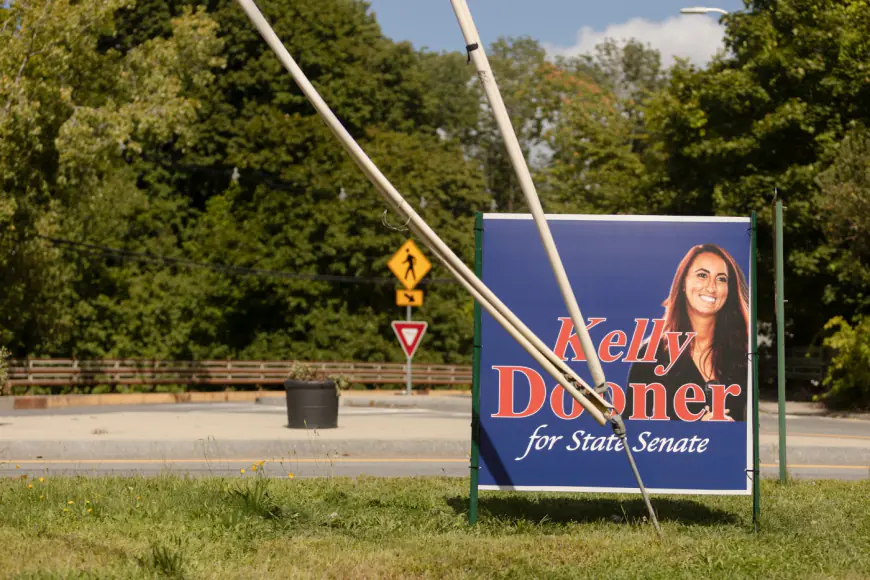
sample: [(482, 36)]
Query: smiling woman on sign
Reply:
[(703, 346)]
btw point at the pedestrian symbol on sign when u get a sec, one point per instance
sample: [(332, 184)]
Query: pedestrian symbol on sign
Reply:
[(410, 259)]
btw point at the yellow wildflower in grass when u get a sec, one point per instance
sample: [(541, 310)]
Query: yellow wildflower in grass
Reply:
[(253, 468), (66, 509), (290, 475), (70, 502), (41, 480), (87, 501), (42, 497), (90, 510), (29, 486), (242, 470), (262, 462), (17, 467)]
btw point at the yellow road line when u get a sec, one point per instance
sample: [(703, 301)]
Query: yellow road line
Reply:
[(217, 460), (812, 466), (6, 463)]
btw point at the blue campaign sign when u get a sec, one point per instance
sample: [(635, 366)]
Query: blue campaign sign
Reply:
[(666, 301)]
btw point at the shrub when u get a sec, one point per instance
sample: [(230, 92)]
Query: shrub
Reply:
[(4, 368), (300, 371), (848, 378)]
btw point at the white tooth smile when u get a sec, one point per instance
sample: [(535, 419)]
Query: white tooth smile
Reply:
[(708, 299)]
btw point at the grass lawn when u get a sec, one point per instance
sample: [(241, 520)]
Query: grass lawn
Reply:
[(255, 527)]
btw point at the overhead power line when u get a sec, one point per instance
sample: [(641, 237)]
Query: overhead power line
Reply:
[(228, 268)]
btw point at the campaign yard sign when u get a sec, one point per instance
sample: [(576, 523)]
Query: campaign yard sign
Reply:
[(666, 301)]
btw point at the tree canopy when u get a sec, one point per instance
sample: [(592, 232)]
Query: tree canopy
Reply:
[(166, 190)]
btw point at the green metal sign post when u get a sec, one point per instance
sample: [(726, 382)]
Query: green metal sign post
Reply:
[(475, 377), (780, 343), (756, 467)]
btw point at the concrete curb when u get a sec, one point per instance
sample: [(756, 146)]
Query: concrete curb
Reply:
[(452, 403), (10, 403)]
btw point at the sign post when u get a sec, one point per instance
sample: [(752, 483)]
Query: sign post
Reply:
[(753, 357), (410, 334), (475, 377), (780, 343), (409, 265), (408, 385)]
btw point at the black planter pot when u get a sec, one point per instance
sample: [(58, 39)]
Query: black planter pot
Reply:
[(311, 404)]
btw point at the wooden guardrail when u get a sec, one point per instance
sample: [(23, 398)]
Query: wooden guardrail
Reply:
[(71, 372), (804, 364)]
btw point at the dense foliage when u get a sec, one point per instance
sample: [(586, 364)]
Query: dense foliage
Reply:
[(848, 379), (137, 137)]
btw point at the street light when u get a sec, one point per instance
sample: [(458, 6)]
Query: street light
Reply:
[(702, 10)]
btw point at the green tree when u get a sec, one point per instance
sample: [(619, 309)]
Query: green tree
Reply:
[(598, 137), (451, 96), (337, 228), (844, 199), (848, 379), (73, 120), (630, 70), (39, 43), (768, 115), (264, 183), (517, 65)]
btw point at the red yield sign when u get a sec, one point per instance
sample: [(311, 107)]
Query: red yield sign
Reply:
[(410, 334)]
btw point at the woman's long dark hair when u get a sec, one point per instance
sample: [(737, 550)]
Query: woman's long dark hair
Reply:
[(729, 349)]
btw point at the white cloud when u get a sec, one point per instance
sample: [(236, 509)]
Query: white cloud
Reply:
[(694, 37)]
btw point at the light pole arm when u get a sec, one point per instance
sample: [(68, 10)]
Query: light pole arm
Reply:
[(703, 10)]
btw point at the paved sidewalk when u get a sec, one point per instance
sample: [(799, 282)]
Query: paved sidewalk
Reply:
[(229, 430)]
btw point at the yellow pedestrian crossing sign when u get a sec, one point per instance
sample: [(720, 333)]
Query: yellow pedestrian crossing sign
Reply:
[(409, 265)]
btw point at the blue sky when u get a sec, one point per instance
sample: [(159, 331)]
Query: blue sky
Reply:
[(563, 26)]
